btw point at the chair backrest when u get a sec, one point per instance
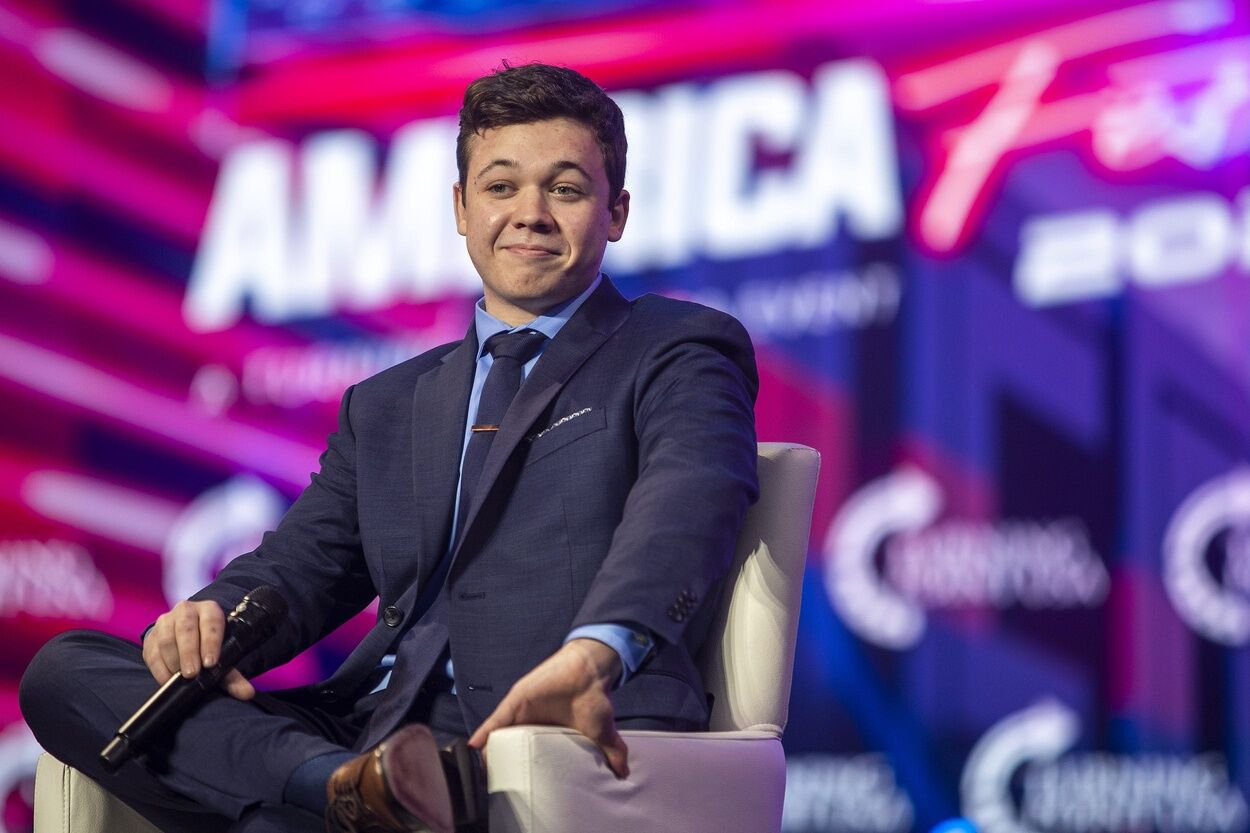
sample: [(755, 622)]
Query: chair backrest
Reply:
[(748, 658)]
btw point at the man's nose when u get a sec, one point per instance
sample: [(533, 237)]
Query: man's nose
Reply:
[(532, 210)]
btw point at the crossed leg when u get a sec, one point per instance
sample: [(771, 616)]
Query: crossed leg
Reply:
[(225, 768)]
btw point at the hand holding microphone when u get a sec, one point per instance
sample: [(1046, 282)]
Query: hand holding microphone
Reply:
[(191, 651), (189, 638)]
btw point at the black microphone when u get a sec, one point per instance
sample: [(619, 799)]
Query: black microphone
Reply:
[(254, 620)]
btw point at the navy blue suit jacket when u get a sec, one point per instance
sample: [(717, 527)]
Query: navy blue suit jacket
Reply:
[(613, 492)]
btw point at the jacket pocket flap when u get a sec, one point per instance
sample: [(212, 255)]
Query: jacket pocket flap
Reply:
[(565, 430)]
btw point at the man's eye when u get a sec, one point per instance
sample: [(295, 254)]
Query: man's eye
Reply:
[(565, 191), (498, 188)]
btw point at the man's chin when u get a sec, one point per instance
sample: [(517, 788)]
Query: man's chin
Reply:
[(535, 304)]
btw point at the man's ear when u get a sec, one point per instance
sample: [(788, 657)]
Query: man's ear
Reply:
[(457, 205), (620, 213)]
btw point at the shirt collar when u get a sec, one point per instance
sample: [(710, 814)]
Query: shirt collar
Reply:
[(549, 323)]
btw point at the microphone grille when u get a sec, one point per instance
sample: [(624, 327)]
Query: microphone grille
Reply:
[(262, 608), (270, 600)]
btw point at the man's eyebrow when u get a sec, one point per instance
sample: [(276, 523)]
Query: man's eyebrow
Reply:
[(557, 167), (499, 163), (566, 165)]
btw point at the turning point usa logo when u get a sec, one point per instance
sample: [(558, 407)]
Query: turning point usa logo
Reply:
[(1215, 515), (951, 564), (1028, 754)]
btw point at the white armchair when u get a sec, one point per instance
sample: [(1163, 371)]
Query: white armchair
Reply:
[(545, 779)]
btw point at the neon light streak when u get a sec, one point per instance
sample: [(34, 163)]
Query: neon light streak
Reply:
[(102, 71), (1126, 133), (940, 83), (1193, 63), (955, 199), (1022, 71), (1149, 120), (103, 509), (107, 178), (979, 148), (92, 389), (138, 93), (143, 308), (24, 256), (428, 75), (574, 50), (88, 504)]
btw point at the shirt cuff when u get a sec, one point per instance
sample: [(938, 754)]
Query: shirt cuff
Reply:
[(632, 644)]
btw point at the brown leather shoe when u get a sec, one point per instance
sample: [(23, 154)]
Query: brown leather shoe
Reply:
[(406, 784)]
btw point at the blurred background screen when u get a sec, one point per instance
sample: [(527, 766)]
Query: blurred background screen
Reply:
[(994, 256)]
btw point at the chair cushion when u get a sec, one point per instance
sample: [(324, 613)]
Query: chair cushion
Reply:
[(545, 779), (66, 801)]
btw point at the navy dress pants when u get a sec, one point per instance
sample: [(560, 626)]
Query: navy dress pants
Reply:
[(226, 766)]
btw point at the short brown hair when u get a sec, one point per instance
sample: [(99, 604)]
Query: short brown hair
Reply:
[(537, 92)]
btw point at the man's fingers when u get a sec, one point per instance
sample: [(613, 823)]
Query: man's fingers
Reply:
[(489, 725), (166, 644), (238, 686), (212, 627), (500, 717), (601, 729), (184, 640), (617, 755), (153, 659), (187, 634)]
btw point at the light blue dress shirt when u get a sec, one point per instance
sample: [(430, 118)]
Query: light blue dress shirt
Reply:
[(632, 642)]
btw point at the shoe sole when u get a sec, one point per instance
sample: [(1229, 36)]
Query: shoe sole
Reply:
[(412, 767)]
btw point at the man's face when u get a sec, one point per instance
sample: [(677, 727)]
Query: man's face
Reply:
[(536, 215)]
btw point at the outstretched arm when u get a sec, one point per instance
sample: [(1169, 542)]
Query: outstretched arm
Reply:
[(694, 421)]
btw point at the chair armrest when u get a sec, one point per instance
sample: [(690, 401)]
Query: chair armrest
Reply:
[(66, 801), (541, 779), (544, 779)]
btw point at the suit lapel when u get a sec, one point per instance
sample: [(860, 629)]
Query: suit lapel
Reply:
[(440, 403), (599, 316)]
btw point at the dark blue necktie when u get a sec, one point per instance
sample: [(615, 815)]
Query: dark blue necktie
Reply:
[(510, 352)]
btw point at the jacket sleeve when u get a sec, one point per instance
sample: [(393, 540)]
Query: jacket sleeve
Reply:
[(313, 558), (694, 419)]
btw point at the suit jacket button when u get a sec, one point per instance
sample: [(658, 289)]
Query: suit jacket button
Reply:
[(392, 616)]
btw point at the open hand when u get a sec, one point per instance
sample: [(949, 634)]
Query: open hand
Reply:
[(569, 688)]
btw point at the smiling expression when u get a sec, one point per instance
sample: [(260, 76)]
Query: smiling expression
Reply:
[(536, 215)]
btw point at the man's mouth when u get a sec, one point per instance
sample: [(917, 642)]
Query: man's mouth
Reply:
[(524, 250)]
